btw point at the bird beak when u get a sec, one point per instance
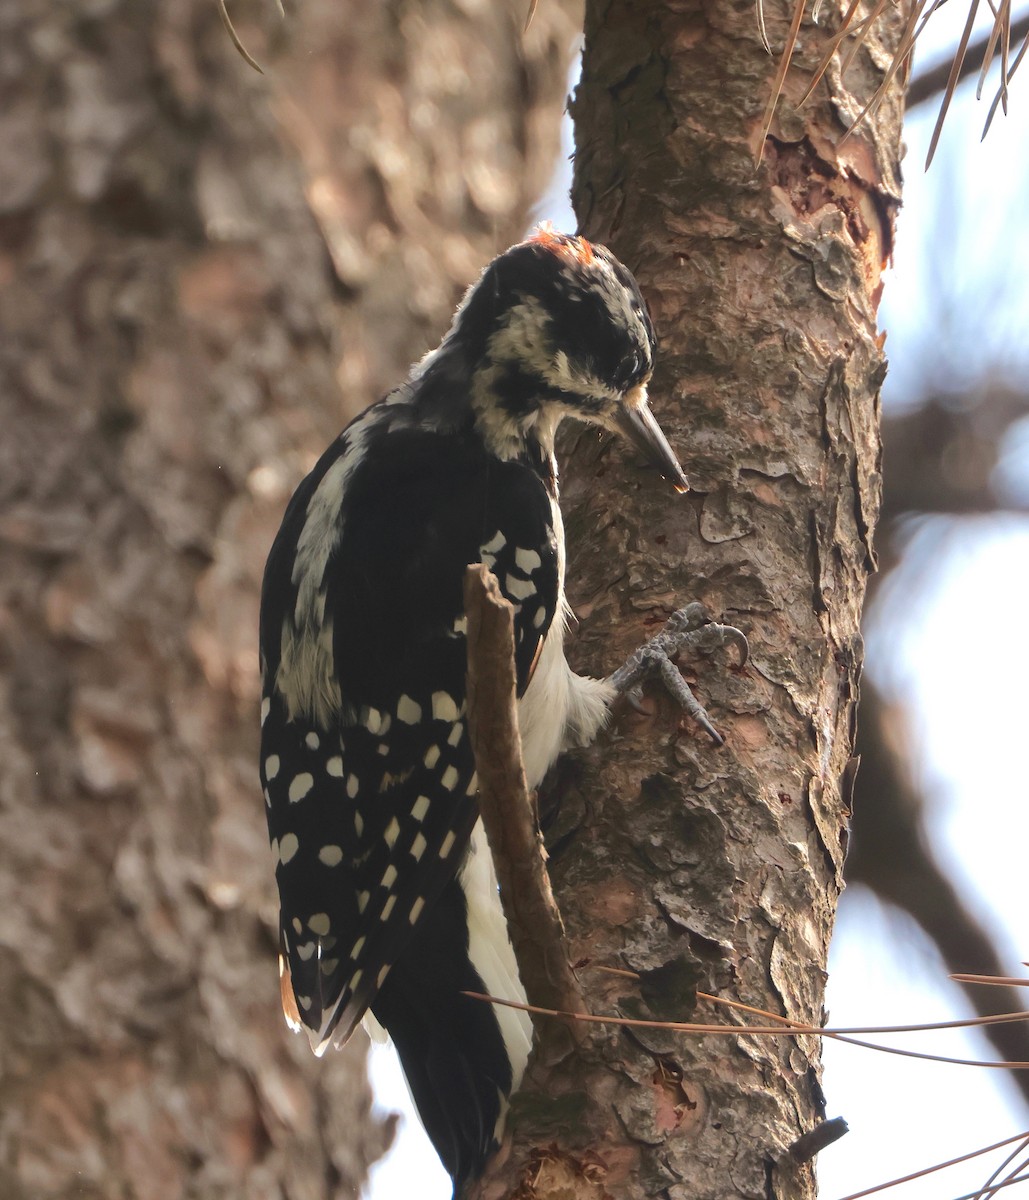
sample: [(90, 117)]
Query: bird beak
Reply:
[(635, 421)]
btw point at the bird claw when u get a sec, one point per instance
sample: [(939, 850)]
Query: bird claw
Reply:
[(689, 628)]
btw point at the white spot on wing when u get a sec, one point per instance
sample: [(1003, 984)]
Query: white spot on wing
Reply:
[(334, 767), (450, 778), (527, 561), (447, 845), (455, 735), (319, 923), (392, 832), (288, 847), (496, 543), (300, 786), (352, 785), (389, 877), (305, 950), (357, 948), (418, 847), (387, 908), (431, 757), (409, 711), (420, 808), (443, 707), (312, 741), (331, 856), (416, 909), (266, 708), (521, 589), (362, 901), (271, 766)]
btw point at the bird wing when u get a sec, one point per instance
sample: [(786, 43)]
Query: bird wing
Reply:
[(368, 773)]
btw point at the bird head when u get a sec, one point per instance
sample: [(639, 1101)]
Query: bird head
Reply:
[(557, 326)]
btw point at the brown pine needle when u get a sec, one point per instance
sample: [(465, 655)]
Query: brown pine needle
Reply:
[(926, 1057), (788, 1028), (952, 81), (1006, 1183), (944, 1058), (244, 53), (1002, 22), (1001, 93), (833, 46), (907, 41), (861, 32), (988, 1189), (998, 41), (780, 75), (880, 1187), (839, 1037), (990, 980), (761, 26)]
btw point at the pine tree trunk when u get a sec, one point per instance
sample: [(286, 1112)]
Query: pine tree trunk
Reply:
[(188, 250), (694, 866)]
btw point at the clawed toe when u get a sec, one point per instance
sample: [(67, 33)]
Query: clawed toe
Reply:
[(688, 628)]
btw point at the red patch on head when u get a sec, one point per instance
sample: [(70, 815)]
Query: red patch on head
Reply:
[(575, 249)]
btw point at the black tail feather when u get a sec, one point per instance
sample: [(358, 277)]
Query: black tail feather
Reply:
[(450, 1046)]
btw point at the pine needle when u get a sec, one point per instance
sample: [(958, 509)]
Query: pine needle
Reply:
[(907, 43), (1002, 90), (780, 74), (952, 81), (998, 44), (760, 6), (938, 1167), (830, 52), (230, 30), (990, 980)]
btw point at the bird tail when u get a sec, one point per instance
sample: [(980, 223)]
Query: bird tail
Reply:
[(462, 1058)]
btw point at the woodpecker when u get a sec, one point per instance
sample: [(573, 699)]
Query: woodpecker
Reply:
[(389, 901)]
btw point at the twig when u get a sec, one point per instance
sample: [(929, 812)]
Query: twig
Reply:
[(809, 1144), (507, 814)]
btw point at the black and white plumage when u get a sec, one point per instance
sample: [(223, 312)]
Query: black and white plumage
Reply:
[(389, 902)]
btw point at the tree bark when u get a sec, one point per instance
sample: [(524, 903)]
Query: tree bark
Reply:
[(687, 864), (186, 250)]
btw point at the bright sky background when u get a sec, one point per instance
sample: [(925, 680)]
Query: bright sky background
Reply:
[(963, 679)]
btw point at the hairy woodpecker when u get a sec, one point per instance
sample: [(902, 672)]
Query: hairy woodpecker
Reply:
[(389, 901)]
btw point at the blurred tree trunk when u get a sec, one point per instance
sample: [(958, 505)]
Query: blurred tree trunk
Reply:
[(188, 251), (691, 865)]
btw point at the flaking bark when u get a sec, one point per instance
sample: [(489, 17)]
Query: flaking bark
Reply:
[(682, 862)]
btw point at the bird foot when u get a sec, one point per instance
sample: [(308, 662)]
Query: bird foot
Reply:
[(688, 629)]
